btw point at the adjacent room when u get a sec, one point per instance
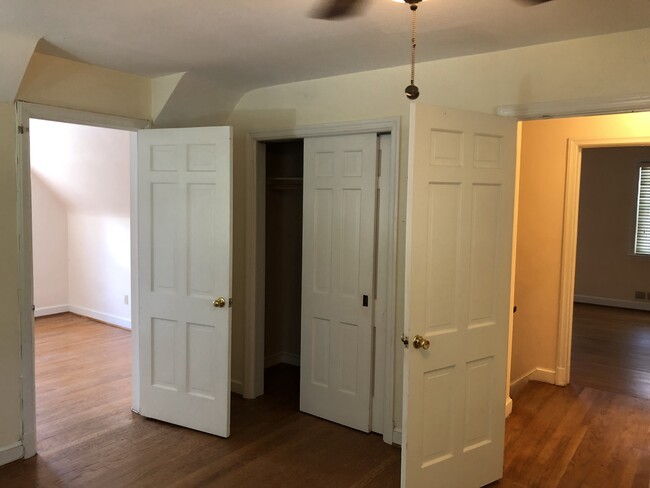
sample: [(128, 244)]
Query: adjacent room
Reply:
[(611, 318), (80, 188)]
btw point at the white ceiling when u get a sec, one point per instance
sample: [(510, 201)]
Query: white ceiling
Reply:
[(245, 44)]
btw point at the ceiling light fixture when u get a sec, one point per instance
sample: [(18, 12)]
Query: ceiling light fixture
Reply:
[(412, 91)]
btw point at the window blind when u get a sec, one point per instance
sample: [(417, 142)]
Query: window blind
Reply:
[(642, 241)]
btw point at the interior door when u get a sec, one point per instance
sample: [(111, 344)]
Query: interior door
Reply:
[(340, 181), (458, 259), (184, 256)]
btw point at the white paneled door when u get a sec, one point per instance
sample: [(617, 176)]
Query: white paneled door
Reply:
[(340, 182), (458, 261), (184, 255)]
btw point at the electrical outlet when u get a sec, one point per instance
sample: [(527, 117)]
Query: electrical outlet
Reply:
[(639, 295), (126, 299)]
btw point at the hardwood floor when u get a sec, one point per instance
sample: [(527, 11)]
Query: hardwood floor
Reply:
[(611, 349), (573, 437), (596, 432), (88, 437)]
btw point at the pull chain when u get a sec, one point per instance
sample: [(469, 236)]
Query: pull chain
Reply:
[(414, 9), (412, 91)]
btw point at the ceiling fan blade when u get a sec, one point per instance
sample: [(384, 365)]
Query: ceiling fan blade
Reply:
[(532, 3), (337, 9)]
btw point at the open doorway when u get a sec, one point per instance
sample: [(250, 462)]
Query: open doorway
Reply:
[(80, 215), (611, 317), (551, 156), (286, 183), (54, 236)]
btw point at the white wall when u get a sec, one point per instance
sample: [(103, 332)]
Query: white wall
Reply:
[(88, 170), (50, 249)]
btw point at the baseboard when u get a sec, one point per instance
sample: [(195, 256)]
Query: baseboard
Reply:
[(613, 302), (508, 407), (543, 375), (237, 386), (282, 358), (44, 311), (11, 453), (397, 436), (536, 374), (102, 317)]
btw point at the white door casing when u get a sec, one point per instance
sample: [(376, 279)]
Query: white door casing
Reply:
[(458, 262), (184, 240), (339, 204)]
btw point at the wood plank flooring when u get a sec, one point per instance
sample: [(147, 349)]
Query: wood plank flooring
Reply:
[(571, 437), (611, 349), (88, 437)]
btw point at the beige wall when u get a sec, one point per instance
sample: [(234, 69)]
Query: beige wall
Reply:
[(583, 68), (10, 424), (539, 236), (61, 83), (605, 264)]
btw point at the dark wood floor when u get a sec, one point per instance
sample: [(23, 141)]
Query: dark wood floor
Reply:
[(611, 349), (577, 436)]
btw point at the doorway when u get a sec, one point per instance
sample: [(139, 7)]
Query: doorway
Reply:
[(549, 191), (258, 176), (26, 113), (80, 180), (610, 339)]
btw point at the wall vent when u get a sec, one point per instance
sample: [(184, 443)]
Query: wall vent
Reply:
[(639, 295)]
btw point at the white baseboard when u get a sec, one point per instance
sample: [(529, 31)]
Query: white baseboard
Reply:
[(282, 357), (43, 311), (508, 407), (122, 322), (237, 386), (613, 302), (11, 453), (397, 436), (536, 374)]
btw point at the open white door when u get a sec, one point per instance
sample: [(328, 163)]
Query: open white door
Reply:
[(340, 181), (184, 266), (458, 261)]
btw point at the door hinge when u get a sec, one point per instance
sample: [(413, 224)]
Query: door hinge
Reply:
[(405, 341), (21, 129), (230, 302)]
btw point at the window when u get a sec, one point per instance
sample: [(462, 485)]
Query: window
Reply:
[(642, 237)]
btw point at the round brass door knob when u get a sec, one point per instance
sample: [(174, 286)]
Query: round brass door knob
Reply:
[(219, 302), (421, 342)]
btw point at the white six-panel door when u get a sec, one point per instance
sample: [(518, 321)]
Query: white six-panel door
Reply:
[(340, 181), (459, 247), (184, 236)]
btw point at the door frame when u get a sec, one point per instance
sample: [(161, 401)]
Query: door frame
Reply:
[(255, 249), (569, 244), (25, 111)]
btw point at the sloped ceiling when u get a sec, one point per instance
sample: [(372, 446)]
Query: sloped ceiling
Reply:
[(87, 168), (229, 47)]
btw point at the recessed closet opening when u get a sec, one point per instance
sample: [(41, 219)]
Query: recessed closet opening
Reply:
[(283, 256)]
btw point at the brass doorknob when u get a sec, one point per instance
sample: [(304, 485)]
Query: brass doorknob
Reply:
[(421, 342), (219, 302)]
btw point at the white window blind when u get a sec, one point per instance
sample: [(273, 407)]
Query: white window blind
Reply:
[(642, 240)]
